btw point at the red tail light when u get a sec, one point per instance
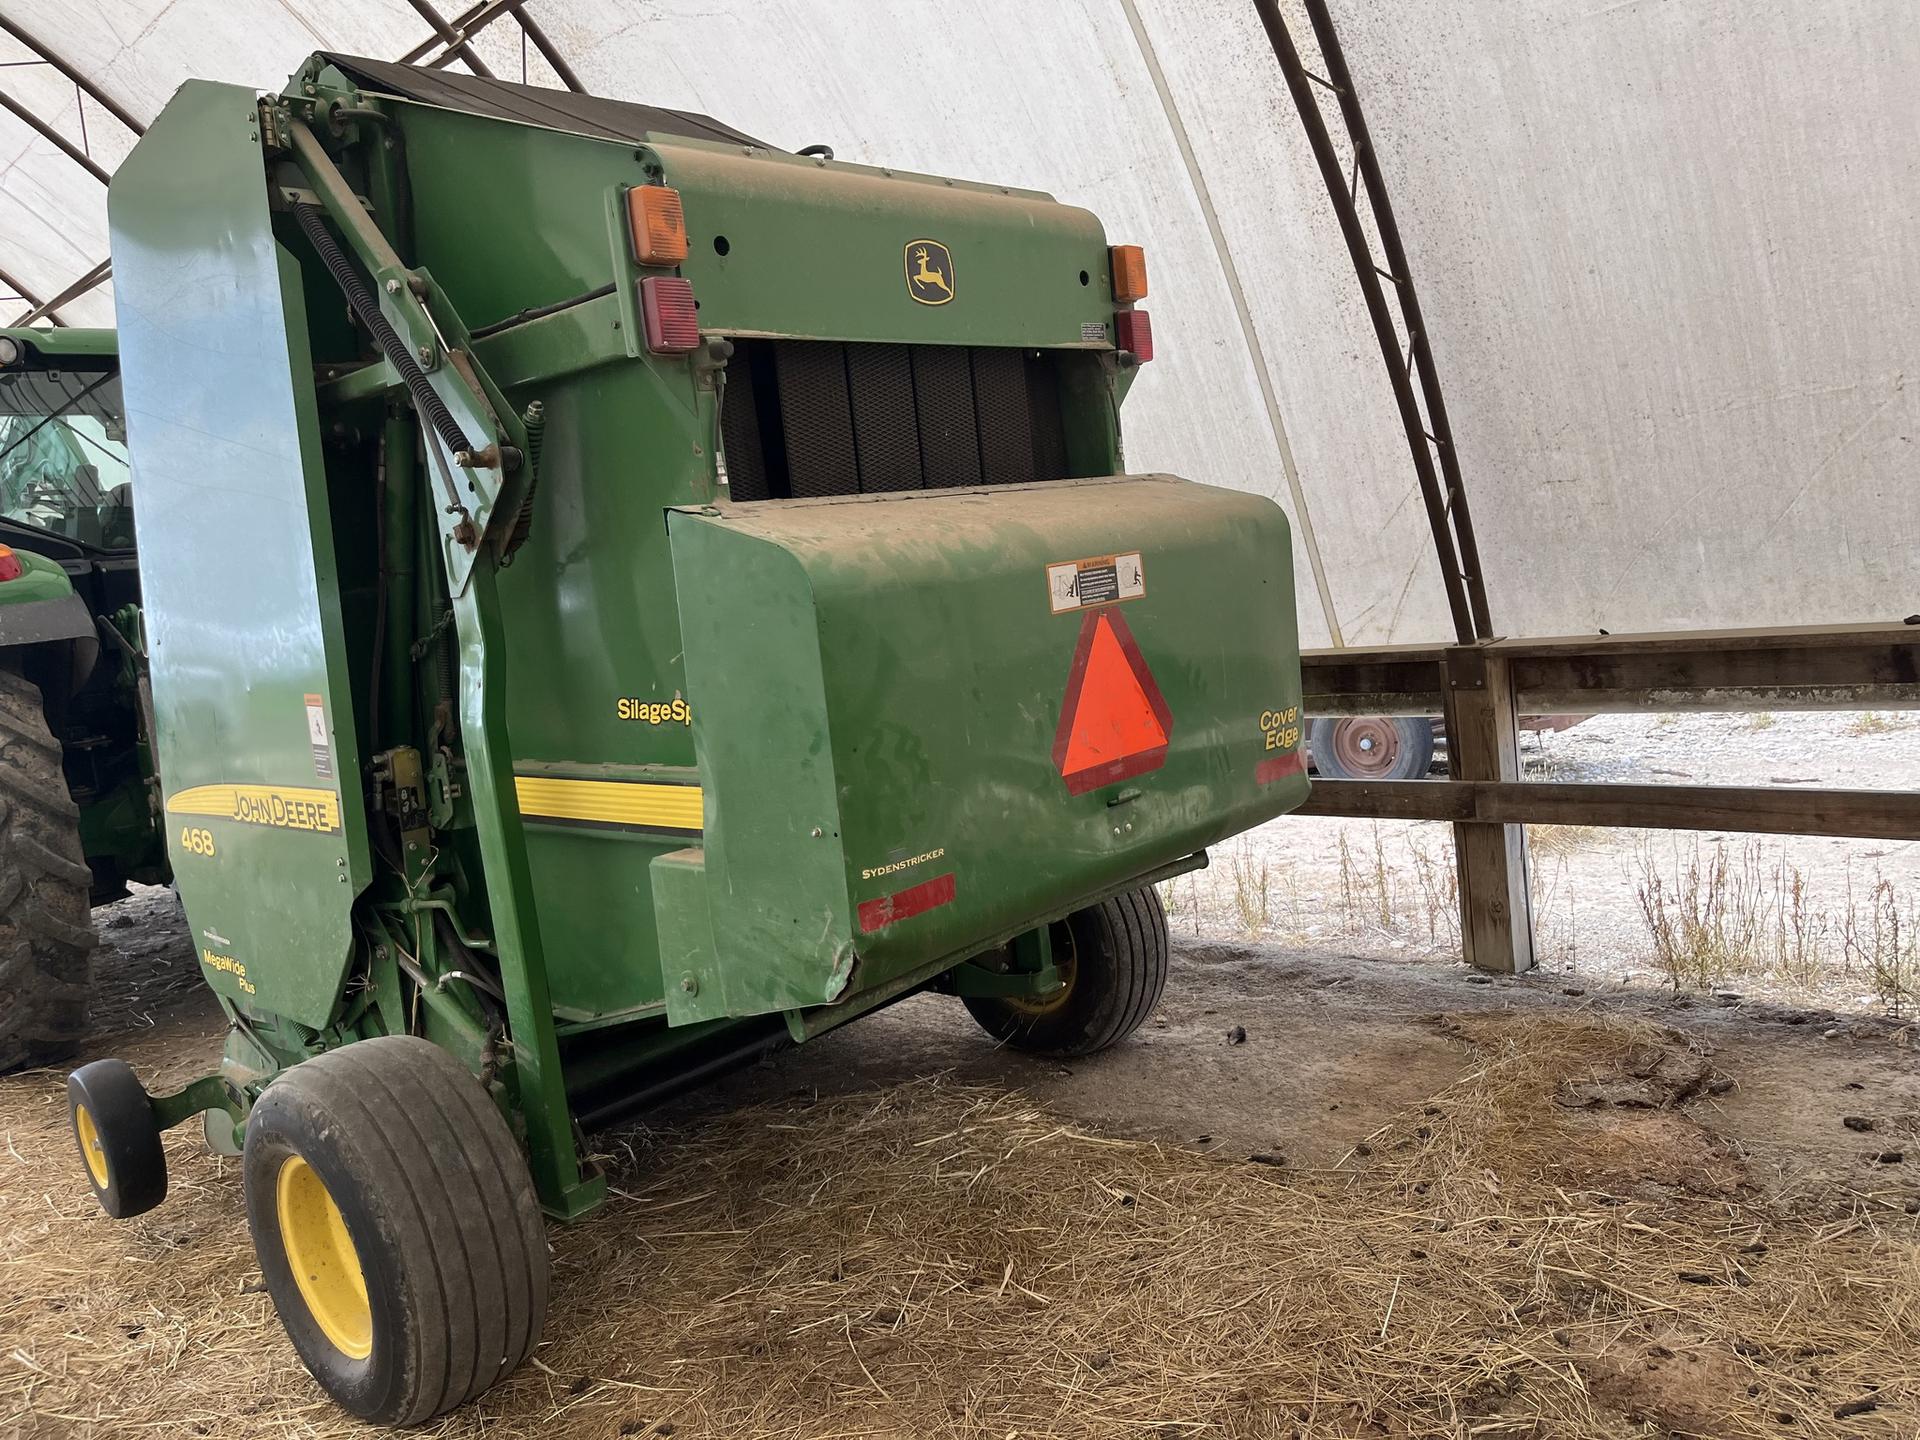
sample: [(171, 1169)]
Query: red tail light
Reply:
[(1133, 330), (667, 308), (10, 566)]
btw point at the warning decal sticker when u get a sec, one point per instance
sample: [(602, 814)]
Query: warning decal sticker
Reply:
[(317, 736), (1114, 722), (1076, 584)]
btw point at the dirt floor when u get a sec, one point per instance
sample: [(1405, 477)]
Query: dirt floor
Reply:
[(1410, 1201)]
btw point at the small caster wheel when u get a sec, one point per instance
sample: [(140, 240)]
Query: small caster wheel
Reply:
[(119, 1141)]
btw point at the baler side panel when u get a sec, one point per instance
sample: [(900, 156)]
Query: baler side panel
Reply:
[(774, 889), (252, 692), (593, 659), (592, 645)]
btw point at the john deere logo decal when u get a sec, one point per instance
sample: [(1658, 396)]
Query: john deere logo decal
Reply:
[(929, 272)]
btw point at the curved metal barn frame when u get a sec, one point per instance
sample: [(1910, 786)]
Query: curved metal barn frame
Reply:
[(1481, 682)]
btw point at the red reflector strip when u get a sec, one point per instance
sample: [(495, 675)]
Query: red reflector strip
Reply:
[(903, 904), (1279, 767), (666, 307), (1133, 330)]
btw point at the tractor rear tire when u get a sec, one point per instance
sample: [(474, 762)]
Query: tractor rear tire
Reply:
[(47, 937), (1113, 958), (396, 1228)]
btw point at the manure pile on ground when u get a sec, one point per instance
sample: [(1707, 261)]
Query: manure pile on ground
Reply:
[(1551, 1247)]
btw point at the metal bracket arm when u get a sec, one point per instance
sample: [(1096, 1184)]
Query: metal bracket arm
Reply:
[(486, 479)]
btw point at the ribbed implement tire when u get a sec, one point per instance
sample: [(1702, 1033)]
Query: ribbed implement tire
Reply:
[(440, 1210), (1119, 971), (46, 921)]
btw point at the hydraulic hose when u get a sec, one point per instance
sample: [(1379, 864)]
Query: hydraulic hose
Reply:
[(360, 300)]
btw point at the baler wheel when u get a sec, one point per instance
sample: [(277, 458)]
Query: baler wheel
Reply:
[(1113, 959), (395, 1223), (46, 923), (119, 1140)]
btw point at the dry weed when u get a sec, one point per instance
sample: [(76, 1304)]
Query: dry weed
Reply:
[(1367, 888), (1881, 935), (1558, 841), (1436, 881), (1714, 913), (1872, 722), (1252, 888)]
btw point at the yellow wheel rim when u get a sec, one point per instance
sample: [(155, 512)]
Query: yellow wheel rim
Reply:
[(90, 1148), (1066, 963), (320, 1253)]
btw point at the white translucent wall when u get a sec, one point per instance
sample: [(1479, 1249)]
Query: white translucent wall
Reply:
[(1667, 252)]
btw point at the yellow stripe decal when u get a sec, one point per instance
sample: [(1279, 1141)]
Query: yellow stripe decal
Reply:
[(280, 807), (611, 802)]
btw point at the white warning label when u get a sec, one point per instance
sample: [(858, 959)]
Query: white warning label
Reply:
[(317, 735), (1101, 580)]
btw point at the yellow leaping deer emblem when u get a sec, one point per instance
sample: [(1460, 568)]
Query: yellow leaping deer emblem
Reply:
[(929, 272)]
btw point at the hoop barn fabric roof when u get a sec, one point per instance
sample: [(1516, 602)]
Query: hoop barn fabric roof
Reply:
[(1669, 253)]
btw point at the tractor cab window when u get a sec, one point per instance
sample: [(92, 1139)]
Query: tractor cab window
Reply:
[(63, 455)]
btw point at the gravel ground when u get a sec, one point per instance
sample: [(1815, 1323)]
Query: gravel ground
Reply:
[(1795, 919)]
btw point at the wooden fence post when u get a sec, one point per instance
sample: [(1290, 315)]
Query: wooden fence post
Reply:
[(1483, 743)]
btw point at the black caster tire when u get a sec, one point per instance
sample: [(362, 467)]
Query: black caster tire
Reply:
[(119, 1142)]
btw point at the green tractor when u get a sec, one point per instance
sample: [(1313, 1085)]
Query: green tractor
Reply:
[(623, 599), (79, 798)]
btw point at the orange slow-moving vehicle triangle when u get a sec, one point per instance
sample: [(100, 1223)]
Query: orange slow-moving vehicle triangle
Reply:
[(1114, 723)]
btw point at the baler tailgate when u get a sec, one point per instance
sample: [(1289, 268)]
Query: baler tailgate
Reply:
[(924, 720)]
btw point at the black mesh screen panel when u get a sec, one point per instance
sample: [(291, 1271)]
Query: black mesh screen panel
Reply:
[(1043, 414), (817, 417), (885, 430), (818, 420), (1000, 416), (740, 434), (943, 397)]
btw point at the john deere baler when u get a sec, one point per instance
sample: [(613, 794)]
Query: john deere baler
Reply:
[(621, 599)]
